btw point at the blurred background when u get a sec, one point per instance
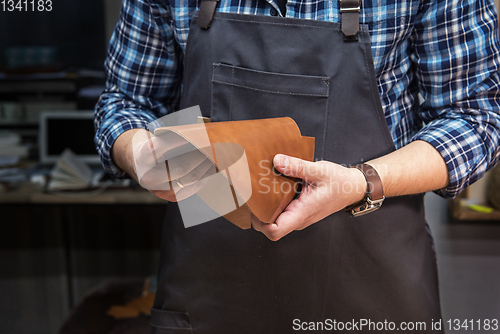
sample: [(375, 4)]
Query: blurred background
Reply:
[(73, 243), (79, 252)]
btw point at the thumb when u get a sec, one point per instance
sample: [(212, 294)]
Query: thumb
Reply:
[(296, 167)]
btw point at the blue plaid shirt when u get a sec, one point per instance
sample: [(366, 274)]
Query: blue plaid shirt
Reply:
[(446, 50)]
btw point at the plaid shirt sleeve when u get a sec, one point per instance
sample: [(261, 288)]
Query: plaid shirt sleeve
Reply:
[(456, 50), (144, 67)]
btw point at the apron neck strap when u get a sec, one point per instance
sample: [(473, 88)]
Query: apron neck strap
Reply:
[(207, 10), (349, 10)]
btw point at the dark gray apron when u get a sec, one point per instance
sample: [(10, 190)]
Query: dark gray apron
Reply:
[(217, 278)]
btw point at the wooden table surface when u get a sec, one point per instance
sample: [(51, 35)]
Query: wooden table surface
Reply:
[(27, 193)]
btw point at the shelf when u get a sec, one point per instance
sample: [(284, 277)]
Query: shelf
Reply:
[(460, 212), (28, 194)]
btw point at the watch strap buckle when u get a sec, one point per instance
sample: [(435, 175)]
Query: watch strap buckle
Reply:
[(374, 196), (367, 207)]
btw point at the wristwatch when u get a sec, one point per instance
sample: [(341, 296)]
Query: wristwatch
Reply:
[(374, 196)]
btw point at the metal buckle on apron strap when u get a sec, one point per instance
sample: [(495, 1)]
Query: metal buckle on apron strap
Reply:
[(349, 11), (206, 15)]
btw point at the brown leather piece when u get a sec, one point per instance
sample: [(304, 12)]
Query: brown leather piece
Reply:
[(207, 10), (258, 141)]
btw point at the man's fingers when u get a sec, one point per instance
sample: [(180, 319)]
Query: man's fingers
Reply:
[(178, 193), (149, 150), (289, 220), (273, 231), (205, 169), (294, 216), (166, 142), (180, 166), (157, 177), (296, 167), (269, 230), (187, 191)]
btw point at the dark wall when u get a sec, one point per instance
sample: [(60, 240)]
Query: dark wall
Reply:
[(75, 28)]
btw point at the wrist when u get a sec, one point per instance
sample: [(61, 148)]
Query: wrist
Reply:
[(359, 184), (415, 168), (122, 152)]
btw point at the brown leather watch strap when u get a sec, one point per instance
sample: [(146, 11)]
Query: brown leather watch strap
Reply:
[(374, 195), (374, 189), (207, 10)]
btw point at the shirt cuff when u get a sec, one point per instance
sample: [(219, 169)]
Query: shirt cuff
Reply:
[(111, 129), (462, 149)]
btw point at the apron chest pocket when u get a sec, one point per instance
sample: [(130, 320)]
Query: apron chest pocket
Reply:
[(170, 322), (240, 94)]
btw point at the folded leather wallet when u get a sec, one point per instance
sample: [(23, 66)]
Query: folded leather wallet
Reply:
[(245, 181)]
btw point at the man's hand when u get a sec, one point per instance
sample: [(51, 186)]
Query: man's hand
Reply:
[(140, 155), (415, 168), (327, 188)]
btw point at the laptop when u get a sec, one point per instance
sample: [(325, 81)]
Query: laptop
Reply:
[(67, 129)]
